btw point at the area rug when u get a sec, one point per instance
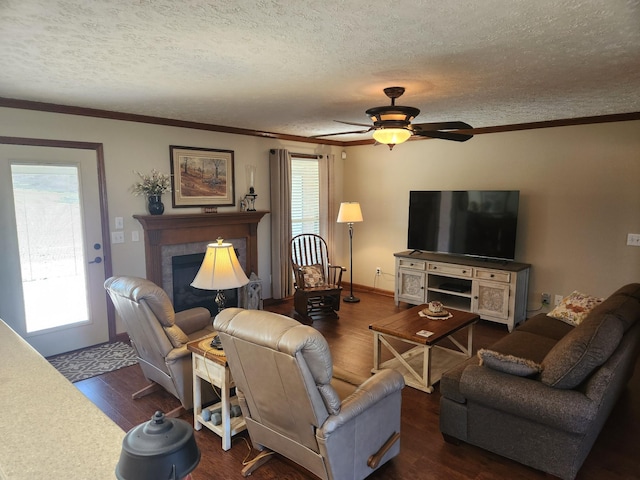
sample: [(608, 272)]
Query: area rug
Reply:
[(93, 361)]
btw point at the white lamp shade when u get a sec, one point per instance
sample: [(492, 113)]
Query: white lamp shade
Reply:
[(220, 269), (349, 212)]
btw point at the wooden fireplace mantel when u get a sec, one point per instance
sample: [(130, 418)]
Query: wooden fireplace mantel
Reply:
[(174, 229)]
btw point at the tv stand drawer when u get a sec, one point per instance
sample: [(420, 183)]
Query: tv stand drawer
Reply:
[(493, 275), (449, 269), (413, 264)]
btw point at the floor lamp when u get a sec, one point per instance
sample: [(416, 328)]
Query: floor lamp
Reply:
[(350, 213)]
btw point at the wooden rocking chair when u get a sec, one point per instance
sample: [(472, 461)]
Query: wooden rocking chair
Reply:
[(317, 282)]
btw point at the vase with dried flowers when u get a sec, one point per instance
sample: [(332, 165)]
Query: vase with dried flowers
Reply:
[(152, 186)]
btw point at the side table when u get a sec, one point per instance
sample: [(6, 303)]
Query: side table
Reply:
[(211, 366)]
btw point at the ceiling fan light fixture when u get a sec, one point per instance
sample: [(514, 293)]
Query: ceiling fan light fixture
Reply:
[(394, 113), (391, 136)]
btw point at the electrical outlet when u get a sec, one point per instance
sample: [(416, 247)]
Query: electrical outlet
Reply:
[(378, 271), (117, 237), (633, 239), (558, 300), (546, 299)]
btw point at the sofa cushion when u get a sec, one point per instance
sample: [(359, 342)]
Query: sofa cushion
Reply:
[(625, 308), (524, 345), (574, 308), (517, 343), (630, 290), (510, 364), (580, 351), (546, 326)]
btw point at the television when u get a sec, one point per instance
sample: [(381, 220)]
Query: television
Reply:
[(477, 223)]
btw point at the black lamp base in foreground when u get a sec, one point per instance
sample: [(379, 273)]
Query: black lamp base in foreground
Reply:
[(351, 299)]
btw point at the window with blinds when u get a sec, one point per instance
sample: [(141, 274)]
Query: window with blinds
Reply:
[(305, 196)]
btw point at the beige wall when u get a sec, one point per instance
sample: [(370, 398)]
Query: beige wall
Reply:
[(580, 191), (130, 146), (580, 196)]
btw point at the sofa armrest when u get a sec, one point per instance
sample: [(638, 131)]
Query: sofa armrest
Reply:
[(374, 389), (569, 410), (193, 319)]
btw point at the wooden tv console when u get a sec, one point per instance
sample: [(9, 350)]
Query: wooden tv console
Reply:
[(497, 291)]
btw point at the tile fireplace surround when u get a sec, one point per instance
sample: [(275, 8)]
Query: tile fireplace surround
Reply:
[(169, 235)]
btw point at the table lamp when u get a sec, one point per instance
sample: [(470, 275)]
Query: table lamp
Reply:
[(350, 213), (220, 270)]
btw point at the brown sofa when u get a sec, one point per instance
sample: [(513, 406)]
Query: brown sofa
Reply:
[(547, 419)]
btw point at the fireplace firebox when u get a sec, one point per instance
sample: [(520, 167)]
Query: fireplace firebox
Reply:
[(185, 268)]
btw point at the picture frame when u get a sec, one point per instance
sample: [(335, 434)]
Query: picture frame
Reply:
[(202, 177)]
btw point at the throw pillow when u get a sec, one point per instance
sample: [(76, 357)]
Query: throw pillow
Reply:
[(508, 363), (313, 276), (574, 308)]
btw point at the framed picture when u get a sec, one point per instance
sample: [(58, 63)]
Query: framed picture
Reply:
[(201, 177)]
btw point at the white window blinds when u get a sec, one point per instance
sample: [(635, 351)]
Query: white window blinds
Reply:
[(305, 196)]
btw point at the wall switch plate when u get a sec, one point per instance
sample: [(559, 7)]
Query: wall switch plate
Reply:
[(135, 236), (117, 237), (119, 222), (633, 239)]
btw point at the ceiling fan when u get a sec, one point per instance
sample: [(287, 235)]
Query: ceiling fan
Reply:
[(392, 124)]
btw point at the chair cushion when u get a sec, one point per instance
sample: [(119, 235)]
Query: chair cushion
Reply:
[(176, 336), (580, 351), (313, 275)]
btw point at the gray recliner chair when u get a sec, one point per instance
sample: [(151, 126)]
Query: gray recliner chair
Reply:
[(283, 376), (160, 336)]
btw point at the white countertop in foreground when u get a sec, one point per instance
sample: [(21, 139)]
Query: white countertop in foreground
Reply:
[(48, 428)]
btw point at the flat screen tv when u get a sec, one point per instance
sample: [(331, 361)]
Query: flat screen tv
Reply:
[(478, 223)]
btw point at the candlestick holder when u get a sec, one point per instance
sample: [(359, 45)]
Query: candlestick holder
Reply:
[(250, 200)]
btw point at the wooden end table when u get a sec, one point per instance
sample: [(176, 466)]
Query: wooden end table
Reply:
[(209, 365), (423, 365)]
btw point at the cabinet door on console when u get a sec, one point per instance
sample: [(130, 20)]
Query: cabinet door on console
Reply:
[(490, 299), (411, 286)]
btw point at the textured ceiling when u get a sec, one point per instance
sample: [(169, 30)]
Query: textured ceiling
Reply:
[(293, 67)]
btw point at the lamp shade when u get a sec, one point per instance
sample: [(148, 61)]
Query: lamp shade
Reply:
[(391, 136), (220, 269), (160, 448), (349, 212)]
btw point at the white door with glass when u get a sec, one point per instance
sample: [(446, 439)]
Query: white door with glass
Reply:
[(51, 291)]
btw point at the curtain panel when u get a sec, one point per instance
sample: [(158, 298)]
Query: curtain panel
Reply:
[(280, 179)]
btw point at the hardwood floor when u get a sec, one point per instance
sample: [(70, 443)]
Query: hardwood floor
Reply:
[(424, 454)]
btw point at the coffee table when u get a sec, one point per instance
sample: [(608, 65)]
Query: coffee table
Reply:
[(422, 365)]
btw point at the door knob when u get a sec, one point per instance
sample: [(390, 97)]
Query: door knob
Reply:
[(97, 260)]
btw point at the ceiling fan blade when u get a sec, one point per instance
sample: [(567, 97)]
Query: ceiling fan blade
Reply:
[(354, 123), (456, 137), (441, 126), (341, 133)]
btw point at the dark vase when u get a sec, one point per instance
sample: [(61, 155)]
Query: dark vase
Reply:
[(155, 205)]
